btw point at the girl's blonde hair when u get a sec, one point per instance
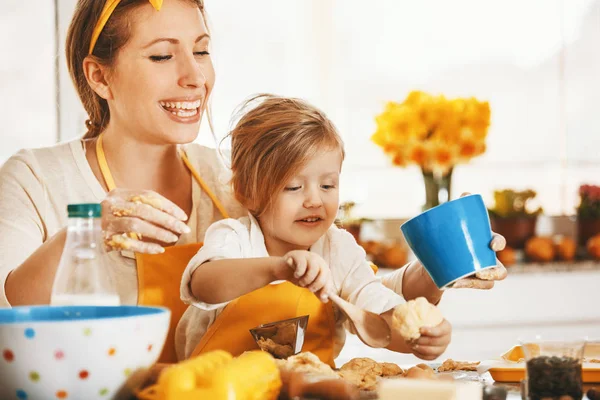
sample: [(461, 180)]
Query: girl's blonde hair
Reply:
[(271, 142), (114, 36)]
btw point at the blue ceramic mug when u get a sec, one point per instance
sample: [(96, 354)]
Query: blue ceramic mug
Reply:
[(452, 240)]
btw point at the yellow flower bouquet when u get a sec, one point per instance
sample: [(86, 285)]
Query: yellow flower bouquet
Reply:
[(434, 133)]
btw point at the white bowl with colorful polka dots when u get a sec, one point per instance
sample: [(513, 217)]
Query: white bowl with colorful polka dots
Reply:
[(78, 352)]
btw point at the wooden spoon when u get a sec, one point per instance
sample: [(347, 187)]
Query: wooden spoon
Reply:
[(371, 328)]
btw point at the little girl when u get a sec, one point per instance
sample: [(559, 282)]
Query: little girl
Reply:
[(283, 259)]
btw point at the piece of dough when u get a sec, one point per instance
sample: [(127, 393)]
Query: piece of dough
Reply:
[(410, 317), (424, 367), (491, 274), (419, 373), (308, 363), (277, 350), (390, 369), (118, 241), (363, 365), (451, 365), (364, 372), (149, 200), (363, 381)]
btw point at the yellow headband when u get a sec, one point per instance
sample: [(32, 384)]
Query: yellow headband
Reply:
[(107, 11)]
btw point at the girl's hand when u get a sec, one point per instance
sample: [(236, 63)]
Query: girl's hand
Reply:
[(433, 341), (310, 271), (141, 221)]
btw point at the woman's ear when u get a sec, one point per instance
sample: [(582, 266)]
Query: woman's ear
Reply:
[(96, 74)]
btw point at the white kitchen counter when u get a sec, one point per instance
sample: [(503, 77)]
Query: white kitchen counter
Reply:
[(554, 299)]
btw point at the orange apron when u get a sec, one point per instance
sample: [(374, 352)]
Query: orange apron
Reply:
[(230, 331), (159, 275)]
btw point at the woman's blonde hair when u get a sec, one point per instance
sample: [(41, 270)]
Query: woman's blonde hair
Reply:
[(114, 36), (271, 142)]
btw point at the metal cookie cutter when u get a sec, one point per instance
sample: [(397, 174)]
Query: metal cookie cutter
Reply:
[(281, 339)]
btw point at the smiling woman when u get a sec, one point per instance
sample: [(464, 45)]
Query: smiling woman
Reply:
[(144, 76), (154, 68)]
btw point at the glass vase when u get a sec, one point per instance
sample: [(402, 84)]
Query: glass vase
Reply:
[(437, 188)]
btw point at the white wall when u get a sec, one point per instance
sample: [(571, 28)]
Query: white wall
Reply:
[(27, 76)]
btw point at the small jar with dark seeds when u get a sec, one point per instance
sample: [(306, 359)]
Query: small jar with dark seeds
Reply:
[(554, 378), (593, 394)]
